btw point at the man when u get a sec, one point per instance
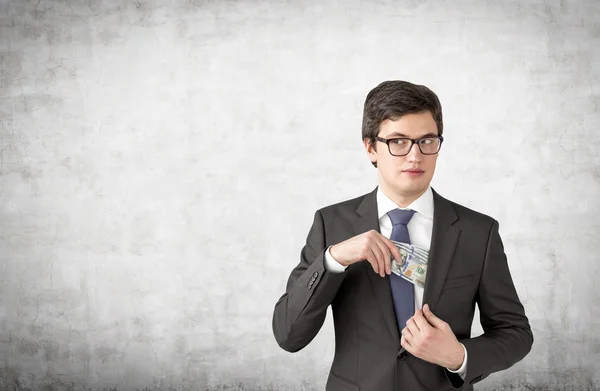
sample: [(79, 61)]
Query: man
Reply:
[(389, 333)]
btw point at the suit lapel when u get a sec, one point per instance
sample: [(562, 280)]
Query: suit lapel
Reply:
[(443, 244), (366, 221)]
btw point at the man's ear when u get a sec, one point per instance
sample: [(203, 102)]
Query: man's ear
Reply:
[(371, 151)]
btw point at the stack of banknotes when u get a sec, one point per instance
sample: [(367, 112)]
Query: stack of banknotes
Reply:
[(413, 263)]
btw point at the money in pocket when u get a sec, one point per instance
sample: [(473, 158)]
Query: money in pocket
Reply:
[(412, 265)]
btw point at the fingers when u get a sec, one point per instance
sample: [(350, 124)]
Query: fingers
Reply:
[(395, 252), (376, 260), (387, 249), (431, 318), (378, 255), (405, 343), (408, 334), (379, 251), (421, 322), (368, 252), (412, 326), (386, 256)]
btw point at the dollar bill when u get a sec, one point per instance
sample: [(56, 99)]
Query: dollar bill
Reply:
[(412, 266)]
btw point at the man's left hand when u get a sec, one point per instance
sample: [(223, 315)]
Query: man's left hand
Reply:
[(431, 339)]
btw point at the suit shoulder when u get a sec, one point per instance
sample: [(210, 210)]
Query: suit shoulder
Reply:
[(343, 206), (473, 215)]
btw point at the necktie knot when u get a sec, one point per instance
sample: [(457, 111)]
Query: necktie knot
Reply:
[(401, 216)]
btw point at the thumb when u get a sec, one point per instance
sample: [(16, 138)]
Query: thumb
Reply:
[(431, 318)]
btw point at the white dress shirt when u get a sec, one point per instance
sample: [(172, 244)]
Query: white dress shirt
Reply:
[(420, 228)]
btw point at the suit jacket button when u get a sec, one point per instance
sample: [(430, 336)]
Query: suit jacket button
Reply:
[(315, 274), (402, 355)]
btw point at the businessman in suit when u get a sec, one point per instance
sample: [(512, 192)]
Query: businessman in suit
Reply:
[(389, 333)]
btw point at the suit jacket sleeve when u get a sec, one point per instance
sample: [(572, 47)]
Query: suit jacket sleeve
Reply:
[(300, 312), (507, 335)]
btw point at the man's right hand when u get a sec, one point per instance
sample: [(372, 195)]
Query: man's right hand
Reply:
[(370, 246)]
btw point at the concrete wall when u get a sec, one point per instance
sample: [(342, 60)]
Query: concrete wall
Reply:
[(161, 163)]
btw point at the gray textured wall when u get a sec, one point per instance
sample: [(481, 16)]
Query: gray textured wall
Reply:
[(160, 164)]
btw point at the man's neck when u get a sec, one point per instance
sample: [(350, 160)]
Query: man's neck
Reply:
[(402, 200)]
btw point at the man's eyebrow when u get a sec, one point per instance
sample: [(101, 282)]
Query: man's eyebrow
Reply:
[(403, 135)]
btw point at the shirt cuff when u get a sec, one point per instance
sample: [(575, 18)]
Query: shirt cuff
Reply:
[(331, 265), (462, 371)]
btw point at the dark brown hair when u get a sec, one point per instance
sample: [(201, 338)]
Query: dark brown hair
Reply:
[(393, 99)]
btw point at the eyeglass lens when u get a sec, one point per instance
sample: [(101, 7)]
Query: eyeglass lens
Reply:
[(402, 146)]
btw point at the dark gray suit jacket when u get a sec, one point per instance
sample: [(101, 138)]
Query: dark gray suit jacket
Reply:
[(467, 265)]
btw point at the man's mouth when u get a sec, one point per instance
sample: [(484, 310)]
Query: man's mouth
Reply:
[(413, 172)]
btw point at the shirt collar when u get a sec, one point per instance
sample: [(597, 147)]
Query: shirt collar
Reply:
[(422, 205)]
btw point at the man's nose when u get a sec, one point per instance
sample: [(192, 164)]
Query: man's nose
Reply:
[(414, 153)]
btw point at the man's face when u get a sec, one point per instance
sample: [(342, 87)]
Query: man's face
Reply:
[(394, 171)]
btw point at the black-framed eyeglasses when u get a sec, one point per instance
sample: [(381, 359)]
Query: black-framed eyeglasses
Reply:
[(401, 146)]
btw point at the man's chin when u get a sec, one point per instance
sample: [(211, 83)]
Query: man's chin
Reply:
[(412, 188), (404, 187)]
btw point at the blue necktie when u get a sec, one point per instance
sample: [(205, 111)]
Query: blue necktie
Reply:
[(402, 290)]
